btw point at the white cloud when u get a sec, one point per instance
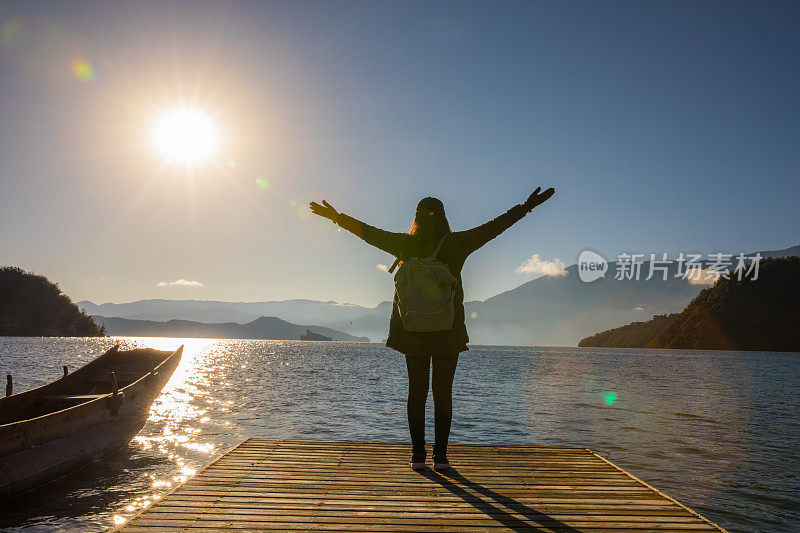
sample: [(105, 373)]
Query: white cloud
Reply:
[(180, 283), (701, 276), (534, 265), (382, 267)]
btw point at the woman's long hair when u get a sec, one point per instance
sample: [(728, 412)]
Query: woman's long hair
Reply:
[(430, 224)]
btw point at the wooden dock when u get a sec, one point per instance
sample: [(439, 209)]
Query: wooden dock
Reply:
[(282, 484)]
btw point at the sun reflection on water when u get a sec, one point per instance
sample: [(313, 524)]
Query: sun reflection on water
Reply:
[(172, 429)]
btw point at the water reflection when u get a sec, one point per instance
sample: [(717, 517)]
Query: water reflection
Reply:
[(82, 500), (692, 408), (717, 432), (173, 429)]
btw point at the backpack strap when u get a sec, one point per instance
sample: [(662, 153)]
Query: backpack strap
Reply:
[(436, 251)]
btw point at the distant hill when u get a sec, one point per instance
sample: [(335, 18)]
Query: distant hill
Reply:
[(261, 328), (544, 311), (634, 335), (311, 336), (357, 320), (742, 315), (556, 311), (787, 252), (209, 311), (559, 311), (31, 305)]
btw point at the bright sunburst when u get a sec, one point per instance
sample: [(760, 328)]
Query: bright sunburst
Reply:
[(186, 136)]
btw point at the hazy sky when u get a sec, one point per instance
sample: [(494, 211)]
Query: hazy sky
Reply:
[(663, 126)]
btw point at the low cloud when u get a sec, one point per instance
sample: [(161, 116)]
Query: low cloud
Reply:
[(701, 276), (180, 283), (534, 265), (382, 267)]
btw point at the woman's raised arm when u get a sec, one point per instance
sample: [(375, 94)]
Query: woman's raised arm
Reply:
[(476, 237), (392, 243)]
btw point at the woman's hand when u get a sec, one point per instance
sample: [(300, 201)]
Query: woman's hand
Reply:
[(537, 198), (325, 210)]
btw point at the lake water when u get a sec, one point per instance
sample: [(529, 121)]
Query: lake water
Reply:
[(718, 431)]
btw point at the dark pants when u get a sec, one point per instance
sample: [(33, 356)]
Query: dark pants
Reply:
[(444, 369)]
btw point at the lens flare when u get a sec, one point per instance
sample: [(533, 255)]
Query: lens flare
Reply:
[(83, 70), (262, 184), (11, 31), (610, 398)]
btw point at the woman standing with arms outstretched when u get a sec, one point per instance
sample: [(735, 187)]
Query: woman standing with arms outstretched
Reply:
[(431, 236)]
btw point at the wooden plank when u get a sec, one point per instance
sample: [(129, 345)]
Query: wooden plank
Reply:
[(377, 528), (547, 479), (381, 516), (410, 477), (421, 507), (425, 494), (455, 521), (289, 484), (399, 520), (425, 498)]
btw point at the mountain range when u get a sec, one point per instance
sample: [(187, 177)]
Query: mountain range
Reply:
[(549, 310), (265, 327)]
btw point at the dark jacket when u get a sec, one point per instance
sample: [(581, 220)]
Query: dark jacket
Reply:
[(454, 251)]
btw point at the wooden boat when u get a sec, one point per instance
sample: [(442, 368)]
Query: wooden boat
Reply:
[(47, 431)]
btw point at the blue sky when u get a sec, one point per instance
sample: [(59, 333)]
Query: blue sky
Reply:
[(664, 127)]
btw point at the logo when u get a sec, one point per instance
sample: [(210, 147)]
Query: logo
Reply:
[(591, 266), (689, 266)]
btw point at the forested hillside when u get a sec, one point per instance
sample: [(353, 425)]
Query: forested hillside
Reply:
[(31, 305), (634, 335), (742, 315)]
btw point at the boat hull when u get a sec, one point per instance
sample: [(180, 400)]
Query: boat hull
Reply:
[(41, 449)]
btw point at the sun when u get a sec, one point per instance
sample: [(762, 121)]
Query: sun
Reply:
[(186, 136)]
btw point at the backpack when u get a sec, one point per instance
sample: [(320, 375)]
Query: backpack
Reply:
[(425, 291)]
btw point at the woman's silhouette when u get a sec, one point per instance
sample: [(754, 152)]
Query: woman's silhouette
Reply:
[(439, 347)]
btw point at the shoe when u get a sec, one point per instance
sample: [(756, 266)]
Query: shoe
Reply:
[(440, 463), (417, 461)]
